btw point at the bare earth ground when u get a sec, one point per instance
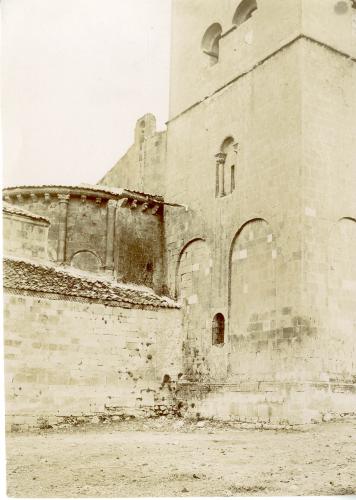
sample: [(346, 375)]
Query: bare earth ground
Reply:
[(171, 458)]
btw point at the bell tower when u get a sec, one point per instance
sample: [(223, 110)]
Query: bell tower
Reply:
[(263, 101)]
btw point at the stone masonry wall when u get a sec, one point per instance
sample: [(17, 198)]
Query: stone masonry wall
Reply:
[(253, 233), (142, 168), (66, 358), (276, 273), (273, 25), (139, 247), (329, 210), (25, 237), (135, 235), (86, 224), (47, 207)]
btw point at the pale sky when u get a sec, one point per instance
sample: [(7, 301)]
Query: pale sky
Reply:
[(76, 75)]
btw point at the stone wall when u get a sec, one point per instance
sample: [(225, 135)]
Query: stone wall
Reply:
[(269, 403), (276, 261), (329, 209), (85, 222), (113, 233), (142, 168), (24, 235), (251, 269), (139, 244), (80, 358), (260, 150), (272, 26)]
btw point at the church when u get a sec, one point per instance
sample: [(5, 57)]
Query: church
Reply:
[(211, 273)]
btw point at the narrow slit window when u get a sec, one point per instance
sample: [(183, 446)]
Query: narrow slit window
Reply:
[(232, 178), (218, 329)]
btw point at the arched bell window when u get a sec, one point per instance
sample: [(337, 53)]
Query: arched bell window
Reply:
[(211, 43), (218, 329), (244, 11)]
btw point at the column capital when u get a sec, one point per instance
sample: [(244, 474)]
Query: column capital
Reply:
[(112, 204), (133, 204), (144, 207), (63, 198), (155, 209), (220, 158)]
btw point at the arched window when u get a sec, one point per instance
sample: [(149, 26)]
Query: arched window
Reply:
[(226, 167), (244, 11), (218, 329), (211, 41)]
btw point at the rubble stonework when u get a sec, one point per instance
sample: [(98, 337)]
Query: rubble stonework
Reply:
[(231, 293)]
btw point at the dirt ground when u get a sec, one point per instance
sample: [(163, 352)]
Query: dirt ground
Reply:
[(172, 458)]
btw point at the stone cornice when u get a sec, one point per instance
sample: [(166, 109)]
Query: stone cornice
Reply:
[(63, 194), (83, 192)]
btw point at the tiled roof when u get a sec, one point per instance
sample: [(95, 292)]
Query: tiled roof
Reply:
[(8, 208), (22, 274), (114, 190)]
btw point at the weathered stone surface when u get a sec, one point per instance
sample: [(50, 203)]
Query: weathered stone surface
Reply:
[(22, 275), (258, 244), (68, 359)]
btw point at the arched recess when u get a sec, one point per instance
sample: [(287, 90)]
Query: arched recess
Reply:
[(244, 11), (252, 279), (211, 43), (182, 257), (342, 297), (193, 288), (86, 260)]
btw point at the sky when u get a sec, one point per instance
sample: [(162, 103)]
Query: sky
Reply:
[(76, 76)]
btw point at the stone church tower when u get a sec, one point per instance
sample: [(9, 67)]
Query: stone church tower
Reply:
[(261, 149)]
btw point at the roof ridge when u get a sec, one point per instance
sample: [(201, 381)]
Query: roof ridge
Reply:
[(16, 210)]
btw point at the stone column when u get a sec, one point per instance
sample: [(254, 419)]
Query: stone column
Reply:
[(62, 226), (110, 235), (220, 163)]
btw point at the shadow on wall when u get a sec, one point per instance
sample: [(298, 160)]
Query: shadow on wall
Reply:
[(342, 297)]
